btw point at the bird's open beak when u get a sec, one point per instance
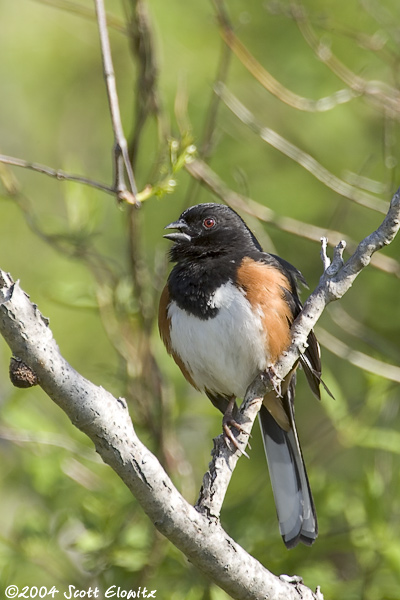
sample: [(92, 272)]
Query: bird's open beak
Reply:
[(179, 236)]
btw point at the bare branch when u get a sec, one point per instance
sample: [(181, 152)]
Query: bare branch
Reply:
[(56, 173), (218, 476), (122, 162), (337, 278), (106, 421), (121, 155), (326, 261)]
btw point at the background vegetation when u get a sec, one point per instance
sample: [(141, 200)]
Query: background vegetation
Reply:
[(97, 269)]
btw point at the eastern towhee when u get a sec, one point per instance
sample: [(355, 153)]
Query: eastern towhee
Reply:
[(225, 317)]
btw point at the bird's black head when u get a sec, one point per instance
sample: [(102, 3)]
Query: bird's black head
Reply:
[(210, 230)]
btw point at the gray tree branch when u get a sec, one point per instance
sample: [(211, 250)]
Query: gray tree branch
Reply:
[(56, 173), (335, 281), (196, 531), (105, 420)]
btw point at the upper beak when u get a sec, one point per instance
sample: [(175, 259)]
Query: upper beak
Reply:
[(179, 236)]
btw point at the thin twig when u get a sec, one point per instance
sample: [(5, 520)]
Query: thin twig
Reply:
[(151, 397), (122, 162), (56, 173)]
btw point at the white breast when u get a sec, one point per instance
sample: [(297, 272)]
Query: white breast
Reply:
[(225, 353)]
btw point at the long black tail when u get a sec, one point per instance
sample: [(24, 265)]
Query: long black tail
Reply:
[(292, 493)]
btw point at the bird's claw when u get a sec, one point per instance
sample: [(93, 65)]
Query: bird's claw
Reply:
[(228, 421), (272, 377)]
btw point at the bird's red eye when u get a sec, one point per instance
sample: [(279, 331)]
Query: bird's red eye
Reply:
[(209, 223)]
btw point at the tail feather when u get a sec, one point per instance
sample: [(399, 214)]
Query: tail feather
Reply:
[(292, 493)]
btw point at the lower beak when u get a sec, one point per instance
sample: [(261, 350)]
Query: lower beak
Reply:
[(178, 236)]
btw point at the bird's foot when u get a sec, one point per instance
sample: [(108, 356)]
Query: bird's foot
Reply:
[(272, 377), (228, 421)]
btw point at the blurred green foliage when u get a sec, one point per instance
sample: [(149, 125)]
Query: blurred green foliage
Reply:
[(97, 269)]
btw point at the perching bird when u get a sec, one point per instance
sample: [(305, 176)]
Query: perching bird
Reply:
[(225, 317)]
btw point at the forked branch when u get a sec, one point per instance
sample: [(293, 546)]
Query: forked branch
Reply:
[(335, 281), (197, 532)]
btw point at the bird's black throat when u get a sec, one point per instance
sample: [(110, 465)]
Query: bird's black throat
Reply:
[(192, 283)]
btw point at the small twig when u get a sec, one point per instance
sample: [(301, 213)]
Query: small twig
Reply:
[(336, 282), (148, 105), (122, 162), (326, 261), (331, 268), (56, 173)]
